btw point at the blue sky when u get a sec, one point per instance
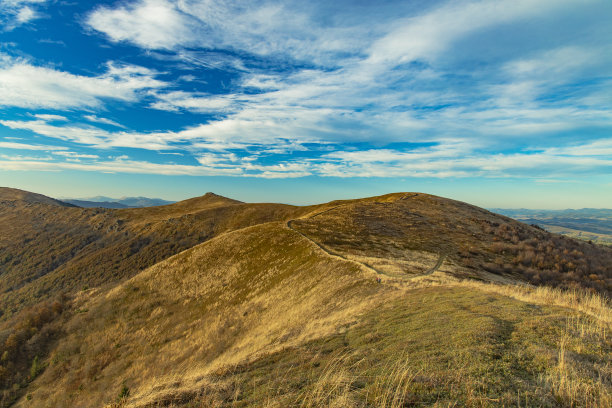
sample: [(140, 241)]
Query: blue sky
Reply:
[(504, 103)]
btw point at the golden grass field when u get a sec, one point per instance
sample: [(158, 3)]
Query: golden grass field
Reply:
[(280, 307)]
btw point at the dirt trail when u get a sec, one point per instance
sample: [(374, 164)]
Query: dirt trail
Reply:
[(364, 265), (437, 266), (369, 268)]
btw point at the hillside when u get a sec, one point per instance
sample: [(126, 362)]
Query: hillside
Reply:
[(264, 317), (234, 304), (401, 234), (49, 248), (11, 196)]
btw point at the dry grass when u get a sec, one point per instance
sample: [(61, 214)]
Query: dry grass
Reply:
[(264, 317), (445, 343), (442, 345), (390, 231), (226, 301), (593, 304)]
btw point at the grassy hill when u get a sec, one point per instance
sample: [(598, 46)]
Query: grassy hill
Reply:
[(48, 248), (397, 300), (10, 196), (400, 234)]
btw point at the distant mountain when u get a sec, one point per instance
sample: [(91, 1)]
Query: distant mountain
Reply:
[(524, 213), (142, 201), (594, 224), (123, 202), (100, 198), (96, 204)]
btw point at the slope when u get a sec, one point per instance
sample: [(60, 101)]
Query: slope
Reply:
[(405, 239), (263, 316), (239, 295), (405, 233), (9, 196), (47, 248)]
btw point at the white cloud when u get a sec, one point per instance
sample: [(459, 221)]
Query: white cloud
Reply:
[(14, 13), (428, 35), (118, 165), (149, 23), (429, 163), (28, 86), (196, 102), (51, 118), (452, 159), (106, 121), (27, 146), (379, 80), (74, 155), (601, 147), (90, 136), (364, 98), (25, 14), (268, 28)]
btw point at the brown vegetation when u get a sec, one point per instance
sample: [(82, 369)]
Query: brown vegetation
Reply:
[(24, 345), (204, 303), (46, 249), (397, 229)]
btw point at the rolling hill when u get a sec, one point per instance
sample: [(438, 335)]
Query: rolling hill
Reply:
[(50, 248), (405, 299)]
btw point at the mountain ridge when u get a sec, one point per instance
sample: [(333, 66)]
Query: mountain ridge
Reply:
[(123, 202), (336, 297), (14, 194)]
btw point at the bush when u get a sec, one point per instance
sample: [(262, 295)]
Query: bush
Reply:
[(123, 394)]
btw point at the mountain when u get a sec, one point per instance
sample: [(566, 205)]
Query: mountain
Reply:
[(50, 248), (405, 299), (8, 196), (95, 204), (123, 202), (142, 201)]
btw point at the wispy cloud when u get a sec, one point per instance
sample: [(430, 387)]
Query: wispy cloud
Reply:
[(27, 146), (365, 96), (51, 118), (451, 159), (28, 86), (14, 13), (105, 121)]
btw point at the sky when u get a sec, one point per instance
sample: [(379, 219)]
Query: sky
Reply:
[(504, 103)]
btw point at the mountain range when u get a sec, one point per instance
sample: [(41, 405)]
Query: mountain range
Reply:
[(123, 202), (405, 299)]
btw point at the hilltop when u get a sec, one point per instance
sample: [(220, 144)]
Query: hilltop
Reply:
[(13, 195), (396, 300)]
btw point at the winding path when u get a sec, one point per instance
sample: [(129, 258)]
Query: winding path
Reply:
[(370, 268)]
